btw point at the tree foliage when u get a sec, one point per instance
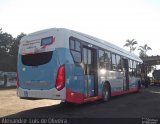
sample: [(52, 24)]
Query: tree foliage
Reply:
[(9, 51), (143, 50), (131, 44)]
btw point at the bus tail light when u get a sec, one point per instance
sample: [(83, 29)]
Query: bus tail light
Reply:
[(60, 81), (17, 80)]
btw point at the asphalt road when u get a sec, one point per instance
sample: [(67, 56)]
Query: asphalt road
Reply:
[(145, 103)]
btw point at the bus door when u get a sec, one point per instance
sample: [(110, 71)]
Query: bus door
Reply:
[(90, 70), (126, 74)]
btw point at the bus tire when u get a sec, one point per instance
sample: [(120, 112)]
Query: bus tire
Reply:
[(139, 85), (106, 92)]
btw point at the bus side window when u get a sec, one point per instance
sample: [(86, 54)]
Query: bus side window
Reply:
[(130, 67), (138, 69), (72, 44), (134, 68), (85, 56), (101, 59), (114, 66), (87, 61), (90, 62), (118, 61), (75, 48), (107, 59)]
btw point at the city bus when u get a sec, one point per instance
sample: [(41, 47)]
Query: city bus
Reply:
[(74, 67)]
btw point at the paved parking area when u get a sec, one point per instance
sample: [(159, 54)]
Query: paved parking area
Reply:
[(145, 103)]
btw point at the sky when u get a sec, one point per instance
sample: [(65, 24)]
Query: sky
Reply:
[(111, 20)]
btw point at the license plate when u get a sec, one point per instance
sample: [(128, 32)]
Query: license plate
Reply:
[(25, 93)]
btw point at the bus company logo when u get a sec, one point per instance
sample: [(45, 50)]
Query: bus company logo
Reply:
[(30, 44)]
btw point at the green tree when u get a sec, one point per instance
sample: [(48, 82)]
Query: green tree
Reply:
[(9, 51), (14, 50), (5, 41), (143, 50), (15, 44), (5, 45), (131, 44)]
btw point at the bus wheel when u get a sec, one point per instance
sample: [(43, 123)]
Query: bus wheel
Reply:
[(139, 85), (106, 92)]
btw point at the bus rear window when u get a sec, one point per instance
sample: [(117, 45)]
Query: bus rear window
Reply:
[(37, 59), (47, 41)]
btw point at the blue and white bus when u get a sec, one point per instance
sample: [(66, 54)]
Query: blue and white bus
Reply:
[(67, 65)]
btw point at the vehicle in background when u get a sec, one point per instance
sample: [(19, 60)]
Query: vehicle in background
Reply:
[(156, 77), (7, 79), (74, 67)]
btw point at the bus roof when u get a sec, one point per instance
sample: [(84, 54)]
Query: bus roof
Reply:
[(50, 31), (112, 46)]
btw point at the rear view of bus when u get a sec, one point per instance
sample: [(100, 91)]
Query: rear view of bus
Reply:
[(41, 69)]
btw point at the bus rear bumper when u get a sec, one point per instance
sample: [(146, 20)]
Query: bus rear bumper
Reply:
[(42, 94)]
